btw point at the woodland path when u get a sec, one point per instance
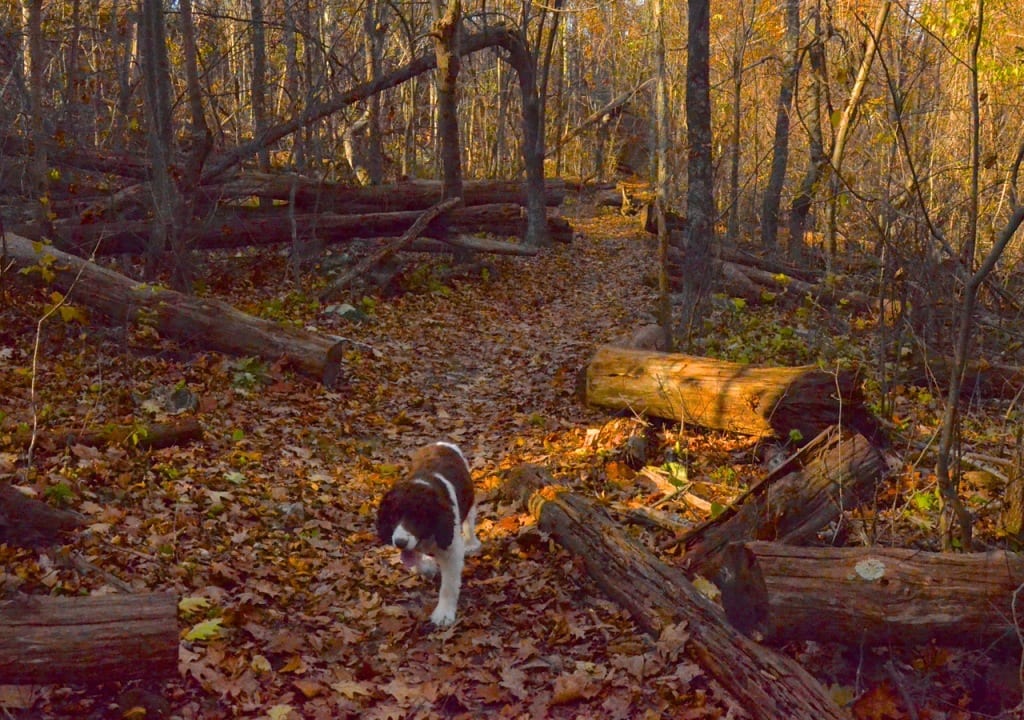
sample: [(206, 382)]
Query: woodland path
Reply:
[(271, 518)]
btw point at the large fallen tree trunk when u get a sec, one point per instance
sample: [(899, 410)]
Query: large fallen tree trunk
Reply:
[(212, 324), (834, 472), (787, 402), (95, 639), (234, 229), (312, 196), (873, 596), (768, 685)]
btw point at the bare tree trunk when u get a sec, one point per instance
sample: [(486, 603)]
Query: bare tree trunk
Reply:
[(800, 206), (846, 124), (374, 26), (259, 80), (157, 83), (36, 63), (780, 147), (445, 34), (700, 201), (661, 150), (742, 35)]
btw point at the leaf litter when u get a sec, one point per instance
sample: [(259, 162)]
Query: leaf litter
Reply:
[(291, 608)]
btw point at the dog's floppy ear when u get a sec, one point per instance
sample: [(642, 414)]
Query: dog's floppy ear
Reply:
[(387, 516)]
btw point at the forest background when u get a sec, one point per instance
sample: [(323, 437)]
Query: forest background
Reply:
[(874, 145)]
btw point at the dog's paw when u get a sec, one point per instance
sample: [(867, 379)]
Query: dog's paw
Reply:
[(443, 616)]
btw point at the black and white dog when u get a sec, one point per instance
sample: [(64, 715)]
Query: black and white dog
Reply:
[(430, 515)]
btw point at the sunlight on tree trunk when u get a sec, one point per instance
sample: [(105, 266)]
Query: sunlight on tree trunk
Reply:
[(700, 202)]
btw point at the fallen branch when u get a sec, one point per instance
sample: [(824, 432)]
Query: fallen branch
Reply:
[(27, 522), (414, 231)]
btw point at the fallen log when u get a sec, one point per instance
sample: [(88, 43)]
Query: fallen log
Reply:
[(767, 685), (787, 402), (872, 596), (151, 436), (212, 324), (96, 639), (834, 472), (313, 196), (234, 229), (27, 522)]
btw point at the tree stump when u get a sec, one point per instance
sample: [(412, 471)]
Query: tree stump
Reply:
[(872, 596), (768, 685), (95, 639), (787, 402)]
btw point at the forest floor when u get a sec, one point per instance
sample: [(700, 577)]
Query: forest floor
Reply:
[(296, 610)]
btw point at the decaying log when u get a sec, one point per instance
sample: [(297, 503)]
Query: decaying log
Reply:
[(872, 596), (768, 685), (235, 229), (154, 435), (210, 323), (727, 396), (313, 196), (834, 472), (94, 639), (27, 522), (390, 249)]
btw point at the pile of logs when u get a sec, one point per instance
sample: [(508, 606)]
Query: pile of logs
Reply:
[(257, 209)]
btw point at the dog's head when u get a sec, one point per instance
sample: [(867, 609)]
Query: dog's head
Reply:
[(416, 516)]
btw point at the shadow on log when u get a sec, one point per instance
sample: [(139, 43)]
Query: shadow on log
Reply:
[(721, 395), (834, 472), (768, 685), (211, 324), (95, 639), (872, 596)]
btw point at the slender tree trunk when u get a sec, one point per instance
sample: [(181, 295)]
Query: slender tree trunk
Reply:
[(954, 514), (661, 151), (259, 80), (780, 147), (846, 124), (156, 80), (700, 202), (445, 34), (800, 206), (742, 36), (36, 64), (374, 27)]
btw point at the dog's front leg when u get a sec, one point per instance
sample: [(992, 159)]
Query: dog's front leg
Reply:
[(450, 562)]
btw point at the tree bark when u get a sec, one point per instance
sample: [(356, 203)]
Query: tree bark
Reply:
[(231, 230), (773, 401), (312, 195), (872, 596), (768, 685), (835, 472), (97, 639), (27, 522), (210, 323), (780, 146)]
